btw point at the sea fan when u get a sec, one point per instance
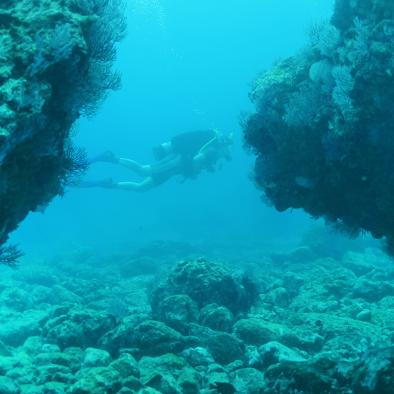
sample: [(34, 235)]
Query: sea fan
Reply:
[(75, 165), (9, 255)]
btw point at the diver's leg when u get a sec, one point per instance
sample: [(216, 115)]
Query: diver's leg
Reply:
[(147, 184), (148, 169), (110, 157), (140, 169)]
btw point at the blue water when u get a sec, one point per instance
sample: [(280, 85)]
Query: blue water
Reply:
[(185, 65)]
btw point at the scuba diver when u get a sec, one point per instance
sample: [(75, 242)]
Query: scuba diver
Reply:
[(186, 154)]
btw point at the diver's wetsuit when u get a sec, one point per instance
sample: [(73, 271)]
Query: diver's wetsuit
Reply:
[(187, 145)]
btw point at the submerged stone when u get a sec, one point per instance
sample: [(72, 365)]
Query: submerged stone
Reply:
[(207, 282), (98, 380), (155, 338), (95, 358), (216, 317), (7, 386), (177, 311), (256, 331), (248, 380)]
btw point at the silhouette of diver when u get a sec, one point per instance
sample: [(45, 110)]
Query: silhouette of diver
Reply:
[(186, 154)]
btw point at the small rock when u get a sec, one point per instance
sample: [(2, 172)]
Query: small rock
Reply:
[(225, 348), (96, 358), (280, 297), (372, 291), (125, 390), (177, 311), (189, 381), (33, 345), (197, 356), (22, 375), (131, 383), (7, 386), (16, 299), (16, 328), (364, 315), (156, 338), (248, 380), (52, 372), (7, 363), (216, 317), (220, 382), (126, 365), (273, 353), (77, 327), (100, 380), (50, 348), (148, 390), (163, 366), (5, 350), (255, 331)]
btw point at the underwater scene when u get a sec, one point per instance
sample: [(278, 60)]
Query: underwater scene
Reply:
[(196, 196)]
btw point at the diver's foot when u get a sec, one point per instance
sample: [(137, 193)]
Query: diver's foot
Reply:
[(107, 183), (105, 157)]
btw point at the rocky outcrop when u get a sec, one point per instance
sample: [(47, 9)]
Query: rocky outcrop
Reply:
[(55, 65), (322, 130)]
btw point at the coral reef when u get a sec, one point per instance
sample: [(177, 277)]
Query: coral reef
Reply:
[(55, 65), (322, 130), (60, 331)]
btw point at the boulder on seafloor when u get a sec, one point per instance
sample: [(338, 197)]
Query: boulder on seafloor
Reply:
[(255, 331), (55, 65), (77, 327), (100, 380), (248, 380), (273, 353), (216, 317), (375, 374), (207, 282), (156, 338), (224, 347), (177, 311)]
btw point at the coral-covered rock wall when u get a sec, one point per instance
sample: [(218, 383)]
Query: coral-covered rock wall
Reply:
[(55, 65), (323, 126)]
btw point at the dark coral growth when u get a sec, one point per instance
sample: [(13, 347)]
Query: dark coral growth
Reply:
[(10, 255), (322, 131), (76, 164), (55, 65)]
